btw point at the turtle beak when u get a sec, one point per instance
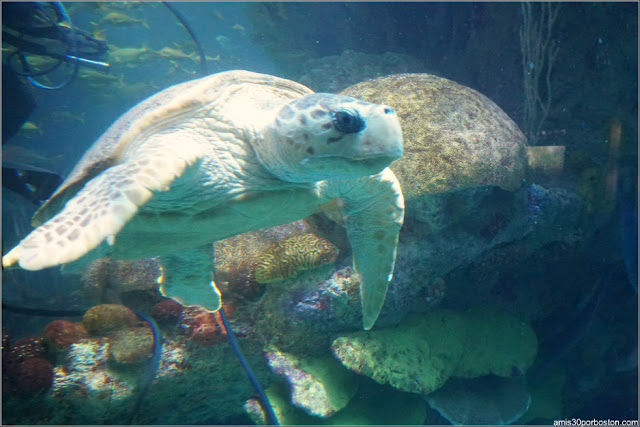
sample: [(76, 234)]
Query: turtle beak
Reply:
[(382, 138)]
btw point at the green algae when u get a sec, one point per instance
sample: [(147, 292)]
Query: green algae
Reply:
[(423, 352)]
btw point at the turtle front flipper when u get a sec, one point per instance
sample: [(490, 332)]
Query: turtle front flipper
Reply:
[(104, 205), (373, 212)]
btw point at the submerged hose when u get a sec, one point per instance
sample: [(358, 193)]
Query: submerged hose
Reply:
[(151, 370), (72, 49), (185, 24), (264, 400)]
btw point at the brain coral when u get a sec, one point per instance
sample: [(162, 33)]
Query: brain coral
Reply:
[(293, 254), (104, 318)]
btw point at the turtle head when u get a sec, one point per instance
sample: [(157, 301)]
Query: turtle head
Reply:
[(325, 136)]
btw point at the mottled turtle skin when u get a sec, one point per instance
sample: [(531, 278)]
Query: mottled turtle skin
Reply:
[(214, 157), (454, 136)]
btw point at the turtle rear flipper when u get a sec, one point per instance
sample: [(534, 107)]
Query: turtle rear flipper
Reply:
[(187, 277), (373, 211), (105, 204)]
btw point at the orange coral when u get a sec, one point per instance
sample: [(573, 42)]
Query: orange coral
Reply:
[(60, 334), (202, 326)]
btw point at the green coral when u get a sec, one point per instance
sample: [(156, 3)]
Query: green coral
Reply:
[(421, 354)]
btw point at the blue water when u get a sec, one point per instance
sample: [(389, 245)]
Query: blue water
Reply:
[(578, 224)]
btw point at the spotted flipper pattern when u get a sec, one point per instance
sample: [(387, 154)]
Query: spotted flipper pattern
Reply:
[(105, 204), (373, 212)]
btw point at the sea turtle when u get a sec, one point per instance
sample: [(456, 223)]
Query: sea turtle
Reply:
[(214, 157)]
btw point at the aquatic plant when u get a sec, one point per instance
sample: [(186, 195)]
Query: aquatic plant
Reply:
[(104, 318)]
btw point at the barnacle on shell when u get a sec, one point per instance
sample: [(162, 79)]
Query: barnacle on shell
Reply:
[(291, 255)]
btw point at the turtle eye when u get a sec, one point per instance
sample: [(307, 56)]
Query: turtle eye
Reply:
[(347, 121)]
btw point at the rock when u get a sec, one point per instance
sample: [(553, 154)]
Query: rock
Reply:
[(131, 345), (372, 405), (454, 137), (421, 353), (487, 400), (334, 73), (319, 385)]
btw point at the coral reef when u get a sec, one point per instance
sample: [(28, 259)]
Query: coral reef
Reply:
[(319, 385), (373, 404), (89, 387), (33, 375), (202, 326), (236, 258), (131, 345), (479, 232), (291, 255), (420, 354), (167, 312), (25, 370), (107, 281), (104, 318), (60, 334), (25, 348)]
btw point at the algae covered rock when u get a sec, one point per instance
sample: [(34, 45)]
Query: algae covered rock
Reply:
[(372, 405), (497, 343), (424, 351), (319, 385), (454, 137)]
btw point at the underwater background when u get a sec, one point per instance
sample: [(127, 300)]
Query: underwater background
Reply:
[(509, 303)]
